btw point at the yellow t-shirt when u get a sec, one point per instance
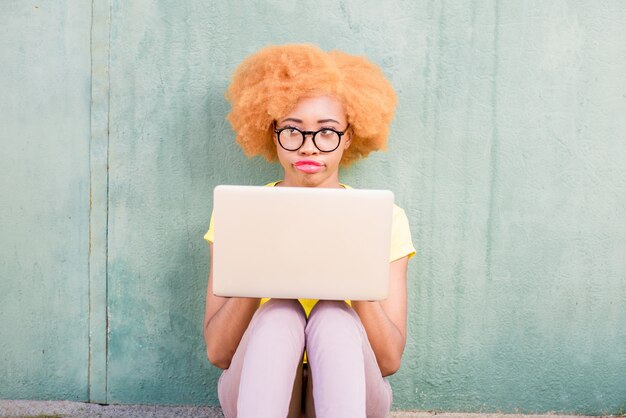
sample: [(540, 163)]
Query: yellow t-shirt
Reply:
[(401, 244)]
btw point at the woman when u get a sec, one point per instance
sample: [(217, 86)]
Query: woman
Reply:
[(313, 112)]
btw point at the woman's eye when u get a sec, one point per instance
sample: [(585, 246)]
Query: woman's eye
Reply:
[(327, 132)]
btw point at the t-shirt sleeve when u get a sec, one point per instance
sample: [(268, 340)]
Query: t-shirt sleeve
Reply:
[(401, 243), (209, 234)]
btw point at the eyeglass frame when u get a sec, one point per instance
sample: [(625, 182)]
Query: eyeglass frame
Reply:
[(312, 133)]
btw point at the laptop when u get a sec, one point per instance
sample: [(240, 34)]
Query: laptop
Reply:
[(300, 242)]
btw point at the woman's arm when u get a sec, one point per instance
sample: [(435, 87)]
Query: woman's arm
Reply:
[(385, 321), (225, 321)]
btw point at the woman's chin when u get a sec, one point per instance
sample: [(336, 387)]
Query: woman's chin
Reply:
[(303, 181), (307, 181), (319, 179)]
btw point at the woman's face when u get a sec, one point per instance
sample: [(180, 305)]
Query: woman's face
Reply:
[(308, 166)]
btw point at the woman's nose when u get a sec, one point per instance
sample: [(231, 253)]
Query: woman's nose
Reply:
[(308, 147)]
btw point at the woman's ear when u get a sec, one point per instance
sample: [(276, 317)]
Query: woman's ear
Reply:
[(273, 133), (348, 138)]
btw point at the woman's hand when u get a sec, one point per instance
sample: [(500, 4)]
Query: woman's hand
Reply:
[(385, 320), (225, 321)]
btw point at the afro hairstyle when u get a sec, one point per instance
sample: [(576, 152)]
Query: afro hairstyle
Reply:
[(269, 83)]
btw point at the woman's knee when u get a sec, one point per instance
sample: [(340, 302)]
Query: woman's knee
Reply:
[(333, 316), (330, 310), (284, 306), (281, 315)]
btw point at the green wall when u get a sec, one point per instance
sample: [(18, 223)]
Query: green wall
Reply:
[(44, 199), (508, 152)]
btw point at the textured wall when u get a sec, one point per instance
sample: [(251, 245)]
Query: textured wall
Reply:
[(44, 199), (519, 206), (507, 152)]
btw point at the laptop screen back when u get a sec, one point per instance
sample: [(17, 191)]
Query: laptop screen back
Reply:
[(297, 242)]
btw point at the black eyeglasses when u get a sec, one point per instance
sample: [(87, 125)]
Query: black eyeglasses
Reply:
[(325, 140)]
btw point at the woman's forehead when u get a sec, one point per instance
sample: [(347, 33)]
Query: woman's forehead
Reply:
[(321, 109)]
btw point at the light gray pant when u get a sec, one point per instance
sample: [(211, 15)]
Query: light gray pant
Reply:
[(265, 375)]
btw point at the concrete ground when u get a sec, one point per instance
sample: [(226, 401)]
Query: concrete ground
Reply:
[(67, 409)]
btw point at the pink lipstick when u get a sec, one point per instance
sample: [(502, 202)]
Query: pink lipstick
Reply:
[(308, 166)]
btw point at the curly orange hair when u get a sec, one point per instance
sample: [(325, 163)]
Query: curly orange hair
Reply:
[(269, 83)]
